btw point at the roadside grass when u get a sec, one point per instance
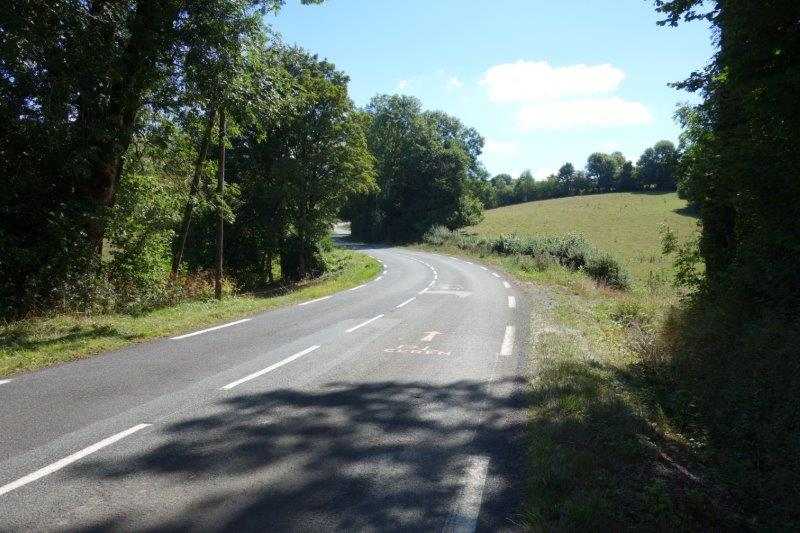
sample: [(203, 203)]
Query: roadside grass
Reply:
[(626, 225), (36, 343), (603, 453)]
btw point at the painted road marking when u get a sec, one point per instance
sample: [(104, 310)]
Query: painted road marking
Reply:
[(429, 336), (468, 506), (406, 302), (460, 294), (66, 461), (508, 341), (416, 350), (379, 278), (507, 285), (370, 321), (4, 381), (277, 365), (495, 274), (468, 262), (317, 300), (512, 302), (359, 287), (484, 268), (210, 329)]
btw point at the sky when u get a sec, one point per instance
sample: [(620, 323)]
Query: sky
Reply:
[(544, 82)]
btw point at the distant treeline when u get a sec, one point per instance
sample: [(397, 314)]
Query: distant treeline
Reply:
[(656, 170)]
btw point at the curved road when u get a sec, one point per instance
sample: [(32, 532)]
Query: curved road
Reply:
[(398, 405)]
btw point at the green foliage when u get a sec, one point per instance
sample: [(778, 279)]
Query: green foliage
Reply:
[(570, 251), (424, 163), (734, 344)]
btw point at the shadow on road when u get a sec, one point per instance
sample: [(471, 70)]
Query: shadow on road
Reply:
[(349, 456)]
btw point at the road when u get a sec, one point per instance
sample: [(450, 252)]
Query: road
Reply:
[(398, 405)]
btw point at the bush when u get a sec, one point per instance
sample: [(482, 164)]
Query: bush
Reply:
[(571, 251)]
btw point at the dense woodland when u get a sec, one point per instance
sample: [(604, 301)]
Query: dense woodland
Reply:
[(136, 134)]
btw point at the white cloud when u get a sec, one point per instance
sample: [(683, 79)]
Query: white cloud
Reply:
[(531, 81), (577, 114), (453, 83), (501, 148), (402, 85)]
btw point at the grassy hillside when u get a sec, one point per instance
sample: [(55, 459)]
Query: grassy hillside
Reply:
[(624, 224)]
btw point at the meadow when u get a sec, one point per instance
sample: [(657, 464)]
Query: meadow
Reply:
[(627, 225)]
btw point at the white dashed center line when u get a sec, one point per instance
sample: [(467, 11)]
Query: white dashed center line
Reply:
[(277, 365), (370, 321), (406, 302)]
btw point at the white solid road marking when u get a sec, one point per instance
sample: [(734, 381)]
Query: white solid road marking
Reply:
[(507, 285), (359, 287), (66, 461), (512, 302), (4, 381), (371, 320), (277, 365), (429, 336), (210, 329), (317, 300), (406, 302), (468, 506), (508, 341)]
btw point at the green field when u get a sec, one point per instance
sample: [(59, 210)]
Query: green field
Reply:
[(623, 224)]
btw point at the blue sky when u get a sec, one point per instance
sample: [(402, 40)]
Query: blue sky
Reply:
[(543, 81)]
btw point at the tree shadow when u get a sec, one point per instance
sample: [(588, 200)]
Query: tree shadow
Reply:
[(23, 337), (347, 456), (690, 211)]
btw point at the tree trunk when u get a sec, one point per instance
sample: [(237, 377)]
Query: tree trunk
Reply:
[(110, 101), (220, 207), (270, 274), (202, 153)]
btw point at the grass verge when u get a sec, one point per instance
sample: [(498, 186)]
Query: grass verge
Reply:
[(603, 453), (36, 343)]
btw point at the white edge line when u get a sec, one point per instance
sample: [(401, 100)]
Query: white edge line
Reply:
[(406, 302), (58, 465), (512, 302), (508, 341), (371, 320), (210, 329), (359, 287), (507, 285), (277, 365), (4, 381), (317, 300), (379, 278), (468, 506)]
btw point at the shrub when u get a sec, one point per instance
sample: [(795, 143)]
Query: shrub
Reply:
[(571, 251)]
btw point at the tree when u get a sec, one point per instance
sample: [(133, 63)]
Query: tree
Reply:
[(604, 170), (657, 167), (423, 162)]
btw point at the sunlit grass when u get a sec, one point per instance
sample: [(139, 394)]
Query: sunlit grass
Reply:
[(623, 224), (36, 343)]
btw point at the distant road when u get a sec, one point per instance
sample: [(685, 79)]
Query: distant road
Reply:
[(397, 405)]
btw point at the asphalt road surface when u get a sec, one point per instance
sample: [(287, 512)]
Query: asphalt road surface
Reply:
[(398, 405)]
